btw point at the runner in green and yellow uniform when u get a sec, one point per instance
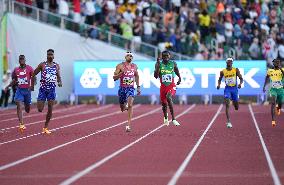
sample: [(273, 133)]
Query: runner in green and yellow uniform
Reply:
[(276, 90)]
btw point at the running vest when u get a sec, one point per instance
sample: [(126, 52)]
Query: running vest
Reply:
[(127, 78), (276, 78), (48, 76), (167, 73), (230, 77), (23, 76)]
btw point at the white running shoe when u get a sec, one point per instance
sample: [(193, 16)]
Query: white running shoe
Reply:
[(229, 125), (166, 120), (176, 123), (127, 128)]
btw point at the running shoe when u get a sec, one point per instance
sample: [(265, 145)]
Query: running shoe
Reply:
[(229, 125), (176, 123), (273, 123), (127, 128), (22, 127), (45, 131), (166, 120)]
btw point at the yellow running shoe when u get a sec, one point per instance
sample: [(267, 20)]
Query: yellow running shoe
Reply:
[(22, 127), (273, 123), (46, 131)]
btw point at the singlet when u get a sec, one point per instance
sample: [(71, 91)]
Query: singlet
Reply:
[(276, 78), (128, 77), (167, 73), (48, 76), (23, 76), (230, 77)]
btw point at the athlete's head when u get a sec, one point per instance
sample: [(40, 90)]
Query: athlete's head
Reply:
[(22, 60), (50, 54), (128, 56), (276, 63), (229, 62), (166, 56)]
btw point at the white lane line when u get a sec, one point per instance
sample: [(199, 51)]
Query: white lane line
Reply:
[(182, 167), (107, 158), (65, 126), (272, 169), (37, 114), (9, 165), (60, 117)]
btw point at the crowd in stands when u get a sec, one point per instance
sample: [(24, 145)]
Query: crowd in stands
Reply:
[(201, 29)]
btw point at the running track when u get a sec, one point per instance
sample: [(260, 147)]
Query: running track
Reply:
[(88, 145)]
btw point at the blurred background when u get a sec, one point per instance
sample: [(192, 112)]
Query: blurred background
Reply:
[(90, 37)]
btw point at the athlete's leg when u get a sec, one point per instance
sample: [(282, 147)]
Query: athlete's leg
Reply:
[(130, 109), (165, 110), (19, 111), (227, 103), (40, 105), (49, 113), (27, 101), (273, 104), (170, 103)]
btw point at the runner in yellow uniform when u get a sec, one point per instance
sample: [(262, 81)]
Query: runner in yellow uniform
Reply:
[(276, 90)]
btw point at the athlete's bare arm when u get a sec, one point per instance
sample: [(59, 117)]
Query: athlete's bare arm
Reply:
[(177, 73), (220, 79), (118, 72), (265, 82), (137, 80), (36, 71), (59, 82), (157, 69), (240, 77)]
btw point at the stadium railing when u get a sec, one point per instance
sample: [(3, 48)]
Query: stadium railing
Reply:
[(67, 23)]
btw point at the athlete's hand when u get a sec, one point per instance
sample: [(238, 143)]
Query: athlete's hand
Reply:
[(240, 86), (138, 91), (59, 84), (218, 87), (179, 80)]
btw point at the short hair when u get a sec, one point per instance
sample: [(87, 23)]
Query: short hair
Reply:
[(166, 52), (276, 59), (50, 50), (22, 56)]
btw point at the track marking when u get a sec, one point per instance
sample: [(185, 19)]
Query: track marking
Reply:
[(59, 117), (272, 169), (65, 126), (36, 113), (182, 167), (9, 165), (107, 158)]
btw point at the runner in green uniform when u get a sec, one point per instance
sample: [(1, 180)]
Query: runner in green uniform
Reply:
[(276, 90)]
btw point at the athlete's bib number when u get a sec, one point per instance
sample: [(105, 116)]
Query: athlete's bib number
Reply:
[(167, 78), (51, 78), (23, 81), (277, 84), (230, 81), (128, 80)]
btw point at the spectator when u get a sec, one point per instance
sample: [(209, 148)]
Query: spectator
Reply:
[(7, 78)]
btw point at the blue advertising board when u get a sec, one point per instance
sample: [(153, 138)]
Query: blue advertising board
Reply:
[(198, 77)]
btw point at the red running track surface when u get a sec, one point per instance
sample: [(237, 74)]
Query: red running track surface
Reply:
[(215, 154)]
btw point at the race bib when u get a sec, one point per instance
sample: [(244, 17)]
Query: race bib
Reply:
[(167, 78), (276, 84), (230, 81), (128, 80), (51, 78), (22, 81)]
